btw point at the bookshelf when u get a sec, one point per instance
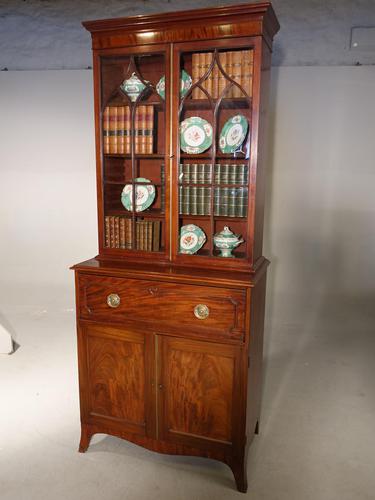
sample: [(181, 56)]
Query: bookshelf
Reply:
[(170, 312)]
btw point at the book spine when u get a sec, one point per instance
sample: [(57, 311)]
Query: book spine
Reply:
[(150, 130), (112, 129), (138, 235), (121, 129), (112, 231), (128, 234), (156, 236), (186, 173), (224, 178), (240, 174), (207, 173), (208, 60), (201, 173), (194, 173), (202, 62), (180, 197), (117, 232), (247, 71), (127, 131), (195, 74), (217, 174), (222, 81), (200, 200), (232, 202), (193, 209), (215, 81), (241, 206), (232, 174), (224, 201), (149, 235), (107, 228), (186, 200), (237, 72), (122, 233), (217, 200), (106, 130), (144, 129), (207, 201), (135, 130), (229, 72)]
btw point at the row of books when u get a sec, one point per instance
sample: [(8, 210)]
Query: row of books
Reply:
[(119, 234), (228, 202), (238, 65), (201, 173), (117, 130)]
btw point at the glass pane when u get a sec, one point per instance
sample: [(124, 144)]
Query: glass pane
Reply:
[(215, 132), (133, 131)]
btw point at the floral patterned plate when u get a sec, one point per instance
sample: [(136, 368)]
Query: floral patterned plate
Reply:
[(192, 239), (185, 84), (144, 195), (233, 134), (195, 135)]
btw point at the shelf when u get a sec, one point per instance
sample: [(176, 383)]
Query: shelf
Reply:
[(207, 155), (227, 103), (216, 217), (152, 214), (136, 156), (122, 183)]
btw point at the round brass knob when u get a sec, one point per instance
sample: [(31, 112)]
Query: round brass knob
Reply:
[(201, 311), (113, 300)]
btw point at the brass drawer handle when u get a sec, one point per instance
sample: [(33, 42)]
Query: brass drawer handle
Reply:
[(113, 300), (201, 311)]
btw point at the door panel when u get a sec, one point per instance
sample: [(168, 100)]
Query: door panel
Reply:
[(199, 389), (115, 370)]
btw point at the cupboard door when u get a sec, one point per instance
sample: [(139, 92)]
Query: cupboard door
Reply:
[(113, 377), (200, 392)]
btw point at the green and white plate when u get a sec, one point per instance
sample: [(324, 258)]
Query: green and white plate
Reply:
[(185, 84), (195, 135), (144, 195), (233, 134), (192, 239)]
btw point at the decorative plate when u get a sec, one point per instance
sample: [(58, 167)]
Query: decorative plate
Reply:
[(185, 81), (133, 87), (195, 135), (233, 134), (192, 239), (144, 195)]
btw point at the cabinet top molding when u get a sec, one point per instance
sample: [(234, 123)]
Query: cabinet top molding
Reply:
[(252, 19)]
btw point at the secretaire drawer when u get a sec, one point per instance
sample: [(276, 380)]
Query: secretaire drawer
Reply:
[(218, 312)]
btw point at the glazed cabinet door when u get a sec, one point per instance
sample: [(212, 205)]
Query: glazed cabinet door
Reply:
[(199, 392), (114, 365)]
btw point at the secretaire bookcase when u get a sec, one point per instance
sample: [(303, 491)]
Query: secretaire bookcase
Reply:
[(170, 312)]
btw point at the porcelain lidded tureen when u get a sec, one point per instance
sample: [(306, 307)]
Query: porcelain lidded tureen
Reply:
[(226, 241), (133, 86)]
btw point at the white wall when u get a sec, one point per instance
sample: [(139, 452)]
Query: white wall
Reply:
[(320, 217)]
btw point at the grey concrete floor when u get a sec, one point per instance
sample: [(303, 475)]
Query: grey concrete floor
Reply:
[(317, 439)]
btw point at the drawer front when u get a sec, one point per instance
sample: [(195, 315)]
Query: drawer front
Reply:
[(218, 312)]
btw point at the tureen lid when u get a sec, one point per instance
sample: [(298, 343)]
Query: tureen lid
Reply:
[(226, 233)]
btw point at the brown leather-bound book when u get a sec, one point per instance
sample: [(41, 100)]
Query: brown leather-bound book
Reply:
[(247, 71), (121, 129), (141, 129), (107, 228), (138, 235), (237, 72), (136, 129), (202, 63), (122, 232), (128, 233), (208, 82), (127, 131), (215, 81), (106, 130), (149, 235), (113, 129), (112, 231), (150, 130), (195, 74), (156, 236), (222, 81), (117, 232)]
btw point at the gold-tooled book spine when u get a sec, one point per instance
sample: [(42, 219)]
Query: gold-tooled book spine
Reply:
[(112, 231), (150, 130), (138, 235), (106, 130), (107, 231), (113, 129), (127, 138), (237, 72), (122, 233), (156, 236), (128, 233), (120, 129), (221, 78), (195, 74), (117, 232), (135, 130), (247, 71), (143, 122), (149, 235)]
